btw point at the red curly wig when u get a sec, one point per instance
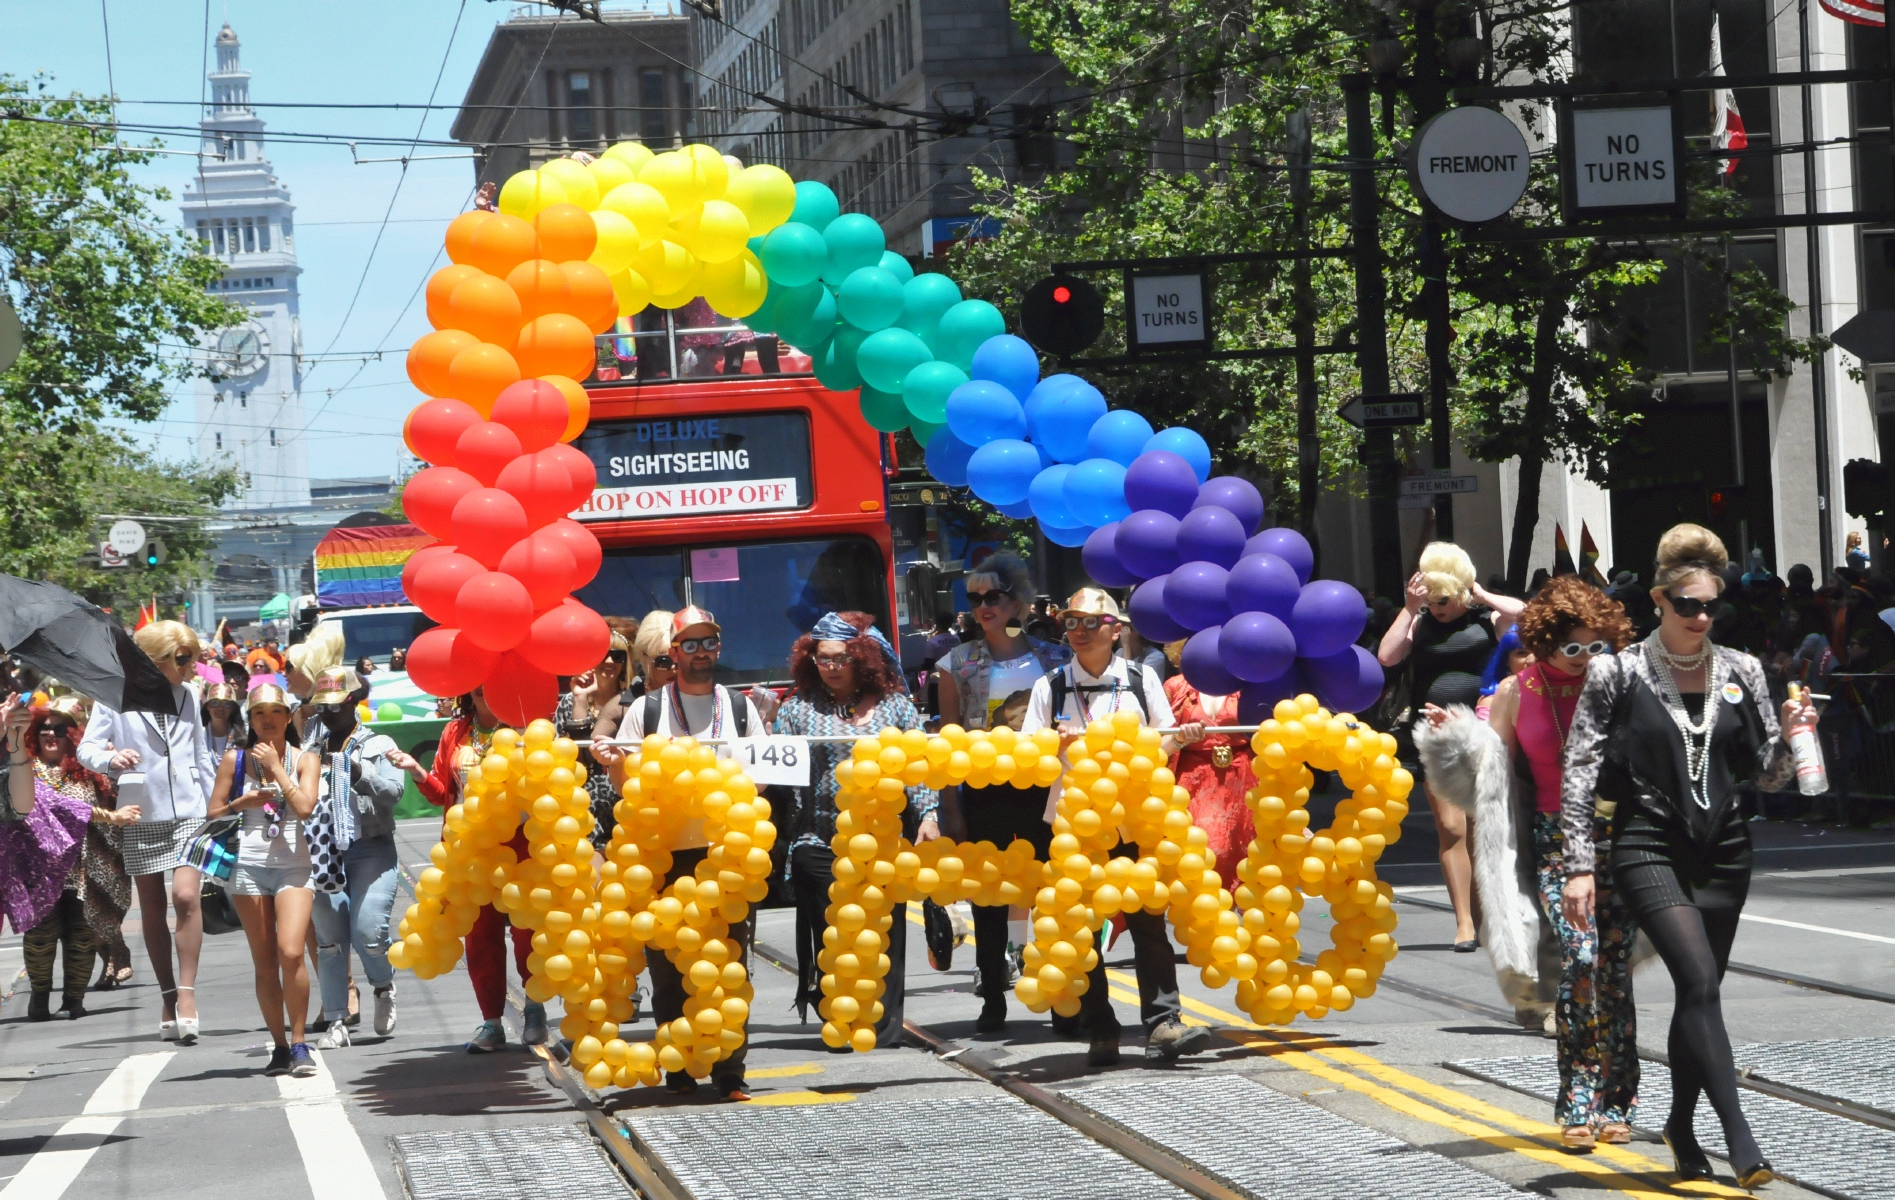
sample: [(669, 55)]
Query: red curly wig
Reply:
[(874, 674), (70, 765), (1565, 603)]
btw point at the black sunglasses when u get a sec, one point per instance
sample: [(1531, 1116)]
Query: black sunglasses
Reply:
[(706, 644), (665, 661), (1688, 607), (617, 656), (994, 599), (184, 658)]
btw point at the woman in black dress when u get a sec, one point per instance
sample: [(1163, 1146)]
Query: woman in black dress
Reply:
[(1662, 735), (1448, 642)]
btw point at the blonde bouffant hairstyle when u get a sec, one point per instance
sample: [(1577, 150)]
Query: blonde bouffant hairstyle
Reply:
[(1447, 570), (164, 639), (1687, 551)]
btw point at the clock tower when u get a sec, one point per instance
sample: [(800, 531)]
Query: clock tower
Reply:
[(250, 405)]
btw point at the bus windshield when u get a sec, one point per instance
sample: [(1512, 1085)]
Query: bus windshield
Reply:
[(375, 634)]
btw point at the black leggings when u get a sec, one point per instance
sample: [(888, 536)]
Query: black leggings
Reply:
[(1696, 946)]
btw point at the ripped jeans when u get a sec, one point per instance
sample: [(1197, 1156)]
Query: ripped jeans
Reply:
[(359, 916)]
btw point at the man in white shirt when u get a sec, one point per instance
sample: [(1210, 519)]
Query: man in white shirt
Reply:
[(1096, 684)]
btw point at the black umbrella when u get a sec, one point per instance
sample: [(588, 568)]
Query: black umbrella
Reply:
[(81, 645)]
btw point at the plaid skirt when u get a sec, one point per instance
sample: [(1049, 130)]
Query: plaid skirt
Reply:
[(152, 847)]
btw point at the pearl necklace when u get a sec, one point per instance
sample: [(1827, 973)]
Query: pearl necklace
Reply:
[(1696, 734)]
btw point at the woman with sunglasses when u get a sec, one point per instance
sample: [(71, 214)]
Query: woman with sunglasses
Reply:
[(1661, 737), (846, 681), (162, 766), (223, 717), (577, 713), (1447, 643), (274, 785), (978, 679)]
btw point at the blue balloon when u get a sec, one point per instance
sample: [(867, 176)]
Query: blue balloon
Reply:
[(1194, 595), (1203, 664), (1119, 435), (1022, 511), (1147, 610), (1347, 681), (1008, 361), (1162, 480), (1257, 647), (947, 457), (1095, 492), (1101, 558), (1328, 616), (1288, 545), (1063, 420), (980, 412), (1048, 497), (1186, 444), (1065, 537), (1240, 496), (1209, 535), (1147, 543), (1000, 472), (1264, 583)]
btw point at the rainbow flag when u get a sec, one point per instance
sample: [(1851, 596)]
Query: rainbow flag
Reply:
[(1589, 558), (1562, 554), (362, 566)]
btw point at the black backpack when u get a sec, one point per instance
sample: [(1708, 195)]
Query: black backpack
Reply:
[(739, 710), (1134, 680)]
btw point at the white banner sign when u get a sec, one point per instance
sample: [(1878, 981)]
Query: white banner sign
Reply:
[(777, 758), (687, 499), (1168, 309)]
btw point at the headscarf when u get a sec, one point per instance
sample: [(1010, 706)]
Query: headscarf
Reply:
[(832, 628)]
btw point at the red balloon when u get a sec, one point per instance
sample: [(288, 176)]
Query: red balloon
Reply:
[(542, 485), (535, 410), (486, 523), (585, 475), (586, 552), (544, 565), (446, 662), (438, 584), (567, 639), (430, 495), (495, 610), (519, 692), (434, 426), (484, 449), (413, 566)]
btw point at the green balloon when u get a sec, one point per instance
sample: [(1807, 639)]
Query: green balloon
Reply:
[(923, 299), (794, 254), (816, 205), (835, 366), (897, 266), (924, 432), (811, 332), (963, 328), (855, 241), (887, 356), (926, 389), (870, 299), (389, 711), (884, 411)]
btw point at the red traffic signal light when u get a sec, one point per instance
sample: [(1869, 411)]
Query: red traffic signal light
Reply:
[(1062, 315), (1062, 294)]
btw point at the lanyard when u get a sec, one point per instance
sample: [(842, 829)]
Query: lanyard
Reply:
[(1080, 690), (717, 710)]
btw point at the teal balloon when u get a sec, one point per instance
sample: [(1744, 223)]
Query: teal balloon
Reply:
[(794, 254), (855, 240), (816, 205), (962, 330), (811, 331), (887, 356), (897, 266), (924, 432), (835, 367), (923, 299), (884, 411), (870, 299), (926, 389), (755, 244)]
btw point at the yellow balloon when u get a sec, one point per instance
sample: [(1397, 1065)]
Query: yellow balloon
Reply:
[(673, 174), (675, 300), (710, 171), (765, 194), (632, 291), (715, 232), (527, 192), (645, 206), (736, 288), (632, 154), (667, 266), (618, 241), (609, 172), (581, 188)]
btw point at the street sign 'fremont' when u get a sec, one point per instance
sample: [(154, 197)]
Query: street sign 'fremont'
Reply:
[(1471, 163)]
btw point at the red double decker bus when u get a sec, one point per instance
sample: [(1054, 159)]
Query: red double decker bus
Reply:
[(762, 498)]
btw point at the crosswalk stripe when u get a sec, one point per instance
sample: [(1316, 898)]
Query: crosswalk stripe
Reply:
[(49, 1173), (334, 1159)]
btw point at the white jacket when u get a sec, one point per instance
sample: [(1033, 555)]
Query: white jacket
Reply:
[(175, 772)]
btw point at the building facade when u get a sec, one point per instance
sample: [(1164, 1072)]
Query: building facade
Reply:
[(250, 401)]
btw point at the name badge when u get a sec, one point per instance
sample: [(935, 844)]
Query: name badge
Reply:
[(1732, 693)]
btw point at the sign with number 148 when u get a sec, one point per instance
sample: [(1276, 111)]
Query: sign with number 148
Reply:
[(775, 759)]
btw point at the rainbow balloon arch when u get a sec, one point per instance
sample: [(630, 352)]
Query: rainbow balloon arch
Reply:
[(574, 249)]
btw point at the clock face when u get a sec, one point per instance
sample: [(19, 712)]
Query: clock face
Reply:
[(241, 350)]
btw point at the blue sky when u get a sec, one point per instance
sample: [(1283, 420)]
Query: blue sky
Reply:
[(334, 50)]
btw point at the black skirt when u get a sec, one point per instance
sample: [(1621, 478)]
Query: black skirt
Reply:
[(1653, 868)]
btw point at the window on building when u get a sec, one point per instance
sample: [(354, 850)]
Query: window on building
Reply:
[(287, 240), (579, 99), (217, 236), (653, 120), (204, 234), (220, 441), (263, 235), (249, 237), (243, 399), (272, 437)]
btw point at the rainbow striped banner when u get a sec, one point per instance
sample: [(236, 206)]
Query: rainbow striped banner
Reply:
[(362, 566)]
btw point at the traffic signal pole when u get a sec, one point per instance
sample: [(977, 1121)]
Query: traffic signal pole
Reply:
[(1429, 97), (1371, 338)]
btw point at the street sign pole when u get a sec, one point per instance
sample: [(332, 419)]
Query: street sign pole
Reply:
[(1371, 341), (1430, 98)]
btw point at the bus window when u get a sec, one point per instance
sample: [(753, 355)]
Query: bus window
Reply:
[(374, 634), (631, 583), (774, 591)]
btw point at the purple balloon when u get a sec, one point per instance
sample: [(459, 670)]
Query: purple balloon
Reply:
[(1203, 666), (1147, 543), (1148, 614), (1257, 647), (1346, 682), (1328, 616), (1257, 702), (1240, 496), (1194, 595), (1288, 545), (1213, 535), (1162, 480), (1263, 583), (1101, 558)]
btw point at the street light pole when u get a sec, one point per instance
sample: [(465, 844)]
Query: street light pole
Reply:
[(1428, 93), (1371, 355)]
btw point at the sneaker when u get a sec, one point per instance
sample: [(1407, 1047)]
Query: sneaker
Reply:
[(490, 1036), (385, 1010), (279, 1061), (731, 1089), (336, 1037), (1173, 1039), (302, 1063), (1016, 963), (1104, 1052), (533, 1025)]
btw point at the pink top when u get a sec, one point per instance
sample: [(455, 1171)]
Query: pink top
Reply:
[(1547, 702)]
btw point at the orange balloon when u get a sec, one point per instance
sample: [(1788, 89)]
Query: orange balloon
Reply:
[(500, 244), (542, 288), (555, 344), (441, 285), (566, 232), (487, 308), (479, 373), (432, 354), (578, 405), (460, 235), (593, 300)]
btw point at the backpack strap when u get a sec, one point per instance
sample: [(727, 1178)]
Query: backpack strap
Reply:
[(654, 710), (1057, 709), (739, 711), (1134, 682)]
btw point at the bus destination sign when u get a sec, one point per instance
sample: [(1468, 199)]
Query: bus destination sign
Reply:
[(693, 466)]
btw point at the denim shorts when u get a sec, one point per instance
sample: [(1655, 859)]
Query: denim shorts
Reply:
[(267, 881)]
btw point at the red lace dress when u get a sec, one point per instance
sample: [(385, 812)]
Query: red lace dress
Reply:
[(1216, 771)]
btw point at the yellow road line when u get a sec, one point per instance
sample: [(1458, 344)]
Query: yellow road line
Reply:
[(783, 1072), (786, 1099)]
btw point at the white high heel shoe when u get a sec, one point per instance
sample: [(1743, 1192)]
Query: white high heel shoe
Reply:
[(187, 1026), (168, 1030)]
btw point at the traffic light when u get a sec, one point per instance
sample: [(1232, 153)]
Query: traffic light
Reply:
[(153, 554), (1866, 489), (1062, 315)]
